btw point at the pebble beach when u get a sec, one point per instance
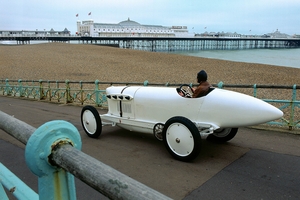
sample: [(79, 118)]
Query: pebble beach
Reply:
[(85, 62)]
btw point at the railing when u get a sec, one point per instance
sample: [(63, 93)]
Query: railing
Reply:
[(284, 97), (53, 154)]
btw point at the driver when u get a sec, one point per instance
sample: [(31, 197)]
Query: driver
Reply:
[(203, 87)]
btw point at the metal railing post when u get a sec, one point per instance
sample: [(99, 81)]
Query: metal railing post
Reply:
[(41, 90), (146, 83), (97, 95), (291, 122), (3, 195), (68, 95), (81, 92), (254, 90), (7, 87), (220, 84), (18, 188), (57, 91), (53, 182), (49, 92), (2, 87), (20, 88)]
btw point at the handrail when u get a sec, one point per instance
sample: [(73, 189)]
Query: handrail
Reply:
[(56, 145)]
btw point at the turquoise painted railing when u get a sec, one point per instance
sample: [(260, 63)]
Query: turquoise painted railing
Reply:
[(53, 154), (85, 92)]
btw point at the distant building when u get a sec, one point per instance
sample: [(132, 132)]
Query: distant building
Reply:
[(128, 28), (277, 34), (38, 33), (296, 36), (219, 34)]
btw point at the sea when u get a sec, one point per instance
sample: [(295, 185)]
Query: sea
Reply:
[(279, 57), (289, 57)]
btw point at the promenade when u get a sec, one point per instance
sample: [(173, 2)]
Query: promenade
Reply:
[(256, 164)]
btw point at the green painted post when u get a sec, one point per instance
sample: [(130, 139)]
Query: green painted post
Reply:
[(49, 91), (3, 195), (58, 92), (291, 122), (146, 83), (2, 87), (68, 95), (7, 87), (97, 93), (53, 182), (41, 91), (81, 92), (15, 186), (254, 90), (220, 84), (20, 88)]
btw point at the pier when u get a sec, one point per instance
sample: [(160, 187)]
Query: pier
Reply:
[(165, 43)]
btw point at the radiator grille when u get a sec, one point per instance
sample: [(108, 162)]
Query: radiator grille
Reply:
[(126, 107)]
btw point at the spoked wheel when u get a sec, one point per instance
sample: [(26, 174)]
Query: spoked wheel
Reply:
[(158, 130), (182, 138), (222, 135), (91, 121)]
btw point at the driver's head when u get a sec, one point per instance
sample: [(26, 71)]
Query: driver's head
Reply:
[(201, 76)]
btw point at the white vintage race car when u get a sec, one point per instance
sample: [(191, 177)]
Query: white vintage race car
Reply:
[(178, 121)]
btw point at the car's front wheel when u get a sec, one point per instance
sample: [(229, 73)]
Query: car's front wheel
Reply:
[(91, 121), (182, 138)]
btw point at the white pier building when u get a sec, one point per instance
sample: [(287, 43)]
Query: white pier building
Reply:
[(128, 28)]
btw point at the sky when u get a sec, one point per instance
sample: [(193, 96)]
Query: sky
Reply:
[(242, 16)]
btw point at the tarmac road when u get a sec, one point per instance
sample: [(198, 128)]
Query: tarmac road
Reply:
[(256, 164)]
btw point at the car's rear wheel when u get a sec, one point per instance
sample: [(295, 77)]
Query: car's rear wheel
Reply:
[(158, 130), (182, 138), (222, 135), (91, 121)]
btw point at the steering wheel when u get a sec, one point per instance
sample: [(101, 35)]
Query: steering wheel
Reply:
[(187, 90)]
